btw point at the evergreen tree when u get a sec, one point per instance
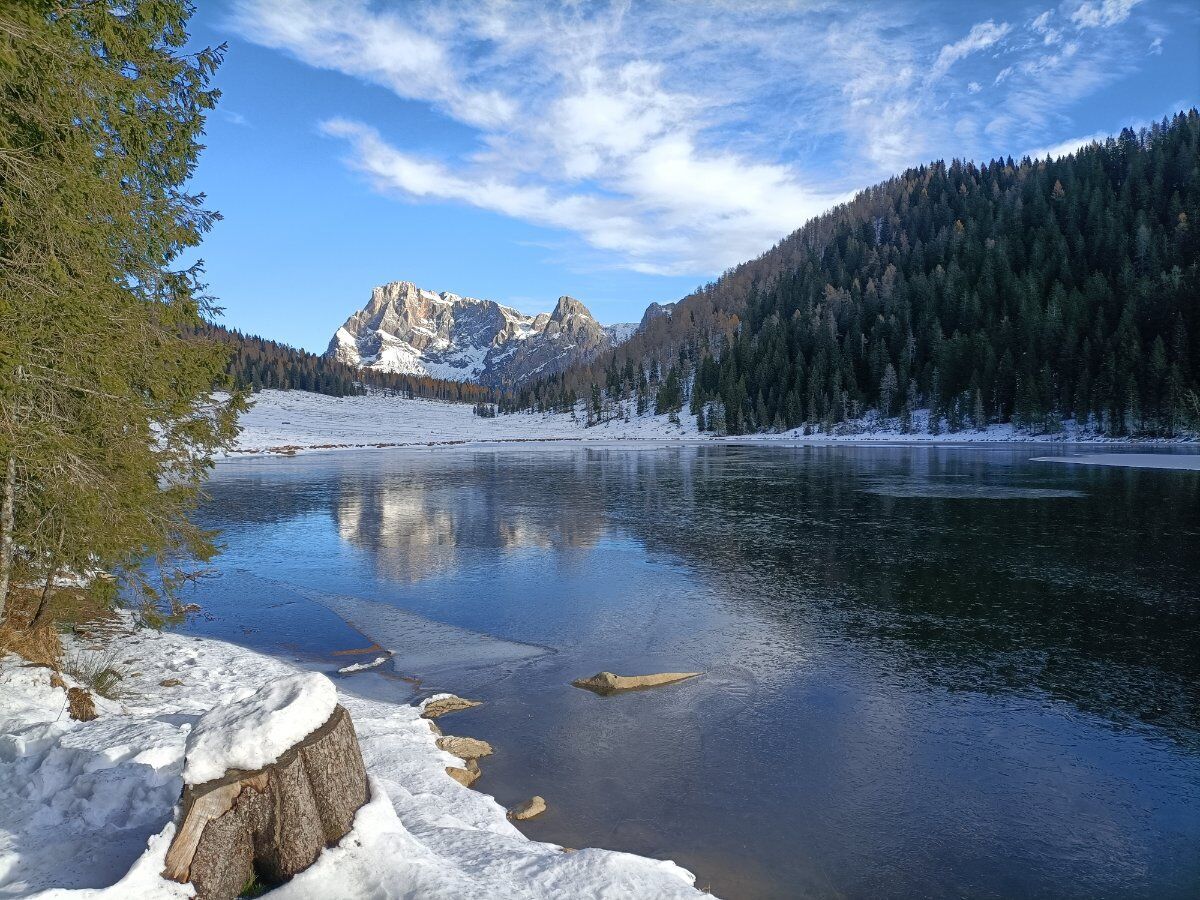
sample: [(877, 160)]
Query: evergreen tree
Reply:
[(105, 427), (1026, 292)]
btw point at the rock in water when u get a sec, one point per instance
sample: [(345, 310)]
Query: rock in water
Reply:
[(605, 683), (441, 704), (465, 747), (467, 774), (80, 705), (271, 822), (534, 806)]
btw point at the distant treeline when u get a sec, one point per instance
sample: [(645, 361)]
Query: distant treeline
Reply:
[(257, 364), (1025, 292)]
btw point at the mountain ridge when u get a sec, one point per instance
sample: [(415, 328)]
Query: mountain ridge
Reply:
[(409, 330), (1030, 291)]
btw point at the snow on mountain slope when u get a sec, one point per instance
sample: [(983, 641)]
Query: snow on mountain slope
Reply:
[(412, 331)]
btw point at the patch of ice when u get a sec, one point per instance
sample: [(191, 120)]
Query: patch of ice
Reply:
[(915, 487), (1188, 461), (425, 645), (362, 667), (254, 732)]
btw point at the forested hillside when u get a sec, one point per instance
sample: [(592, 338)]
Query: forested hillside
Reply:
[(258, 363), (1028, 292)]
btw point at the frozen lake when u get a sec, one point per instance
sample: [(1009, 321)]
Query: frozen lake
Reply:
[(929, 671)]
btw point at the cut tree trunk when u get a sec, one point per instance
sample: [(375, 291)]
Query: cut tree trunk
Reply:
[(6, 531), (271, 823)]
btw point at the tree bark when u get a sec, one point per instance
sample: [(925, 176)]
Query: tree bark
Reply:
[(6, 532), (51, 574), (271, 823)]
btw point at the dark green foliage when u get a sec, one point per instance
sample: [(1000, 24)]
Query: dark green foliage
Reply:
[(107, 428), (1030, 293), (259, 364)]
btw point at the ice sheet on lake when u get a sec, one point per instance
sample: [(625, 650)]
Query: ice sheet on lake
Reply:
[(422, 646), (1188, 461), (960, 489)]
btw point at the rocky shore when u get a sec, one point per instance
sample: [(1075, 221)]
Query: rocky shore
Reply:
[(89, 808)]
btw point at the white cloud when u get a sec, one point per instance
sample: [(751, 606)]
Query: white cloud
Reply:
[(1042, 26), (1064, 148), (672, 211), (1156, 46), (980, 37), (1102, 13), (347, 36), (684, 138)]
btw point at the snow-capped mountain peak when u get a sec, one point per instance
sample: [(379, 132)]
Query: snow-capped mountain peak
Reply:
[(409, 330)]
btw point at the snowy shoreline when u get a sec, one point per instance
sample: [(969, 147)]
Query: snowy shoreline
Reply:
[(291, 422), (87, 809)]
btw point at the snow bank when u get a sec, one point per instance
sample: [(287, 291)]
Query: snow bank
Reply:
[(283, 421), (86, 809), (254, 732)]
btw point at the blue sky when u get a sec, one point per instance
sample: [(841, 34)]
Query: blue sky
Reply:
[(619, 152)]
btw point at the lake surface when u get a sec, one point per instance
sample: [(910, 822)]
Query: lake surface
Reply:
[(942, 672)]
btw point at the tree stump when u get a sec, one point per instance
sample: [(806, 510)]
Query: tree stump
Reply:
[(270, 823)]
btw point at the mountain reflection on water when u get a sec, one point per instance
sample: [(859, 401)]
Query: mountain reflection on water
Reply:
[(935, 671)]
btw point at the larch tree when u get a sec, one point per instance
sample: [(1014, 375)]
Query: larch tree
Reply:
[(108, 423)]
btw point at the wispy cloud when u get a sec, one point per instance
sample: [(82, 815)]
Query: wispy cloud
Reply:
[(1064, 148), (670, 210), (980, 37), (377, 46), (1102, 13), (682, 138)]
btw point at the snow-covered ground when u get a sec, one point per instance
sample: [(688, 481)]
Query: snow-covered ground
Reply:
[(295, 420), (299, 420), (87, 808)]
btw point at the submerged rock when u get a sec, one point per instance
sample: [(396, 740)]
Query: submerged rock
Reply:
[(442, 704), (465, 747), (534, 806), (605, 683)]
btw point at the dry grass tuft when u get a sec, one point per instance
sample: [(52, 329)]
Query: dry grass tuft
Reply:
[(40, 646), (98, 670)]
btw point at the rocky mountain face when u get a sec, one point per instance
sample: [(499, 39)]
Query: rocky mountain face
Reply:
[(656, 311), (413, 331)]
